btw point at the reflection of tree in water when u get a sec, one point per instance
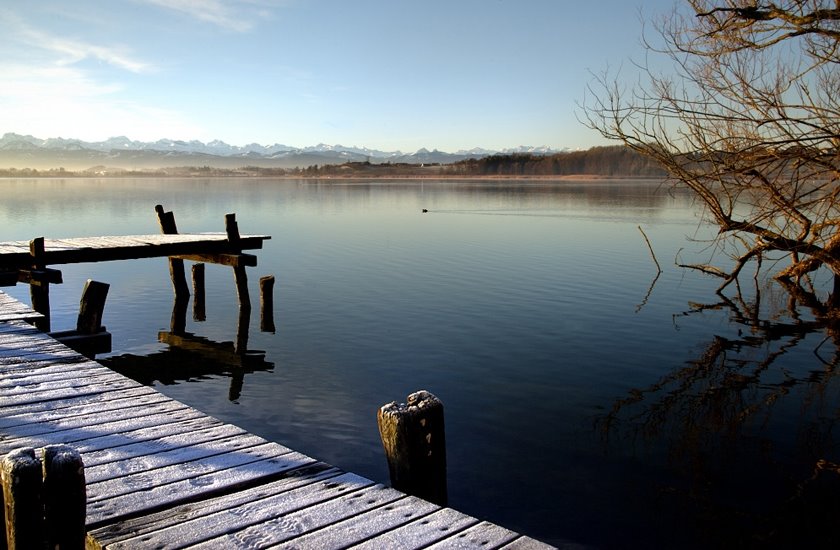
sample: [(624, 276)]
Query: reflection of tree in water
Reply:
[(747, 435)]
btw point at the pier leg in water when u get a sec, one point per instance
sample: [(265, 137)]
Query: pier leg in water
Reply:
[(199, 309), (39, 289), (92, 307), (239, 275), (176, 265), (267, 304), (413, 437)]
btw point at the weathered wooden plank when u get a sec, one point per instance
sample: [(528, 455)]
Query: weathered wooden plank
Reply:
[(192, 515), (158, 445), (79, 437), (18, 327), (249, 514), (289, 526), (420, 532), (162, 472), (90, 421), (25, 417), (10, 364), (78, 401), (50, 371), (155, 497), (68, 391), (478, 537), (366, 525), (38, 382), (183, 421), (176, 461)]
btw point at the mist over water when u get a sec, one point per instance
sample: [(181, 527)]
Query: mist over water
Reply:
[(586, 400)]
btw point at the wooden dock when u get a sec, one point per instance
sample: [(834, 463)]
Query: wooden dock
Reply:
[(161, 474)]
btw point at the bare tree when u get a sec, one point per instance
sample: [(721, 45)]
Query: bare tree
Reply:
[(749, 120)]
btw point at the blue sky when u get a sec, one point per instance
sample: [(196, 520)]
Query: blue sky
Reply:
[(384, 74)]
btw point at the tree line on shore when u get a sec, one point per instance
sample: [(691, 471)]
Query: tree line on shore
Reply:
[(610, 161)]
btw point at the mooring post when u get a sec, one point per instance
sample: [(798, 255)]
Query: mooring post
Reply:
[(267, 303), (413, 437), (176, 265), (65, 499), (92, 307), (39, 288), (199, 308), (239, 275), (20, 473)]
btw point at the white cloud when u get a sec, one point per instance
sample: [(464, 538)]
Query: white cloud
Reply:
[(65, 101), (68, 51), (216, 12)]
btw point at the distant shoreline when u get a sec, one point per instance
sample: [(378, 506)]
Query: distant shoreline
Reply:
[(433, 177)]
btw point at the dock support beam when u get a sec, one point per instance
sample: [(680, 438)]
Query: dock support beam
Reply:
[(176, 265), (239, 275), (413, 437), (199, 303), (39, 289), (267, 303)]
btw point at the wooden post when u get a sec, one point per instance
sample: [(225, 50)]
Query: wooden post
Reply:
[(91, 307), (267, 303), (239, 275), (178, 321), (413, 437), (199, 308), (176, 265), (65, 498), (39, 289), (243, 322), (20, 472)]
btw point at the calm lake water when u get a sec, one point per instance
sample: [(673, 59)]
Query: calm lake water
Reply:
[(586, 401)]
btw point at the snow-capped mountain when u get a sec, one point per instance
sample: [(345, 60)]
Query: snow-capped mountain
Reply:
[(17, 150)]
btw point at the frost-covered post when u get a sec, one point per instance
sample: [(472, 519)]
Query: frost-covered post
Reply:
[(413, 437), (20, 473), (65, 499)]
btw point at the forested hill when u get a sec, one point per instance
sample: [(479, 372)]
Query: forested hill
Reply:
[(600, 161), (613, 161)]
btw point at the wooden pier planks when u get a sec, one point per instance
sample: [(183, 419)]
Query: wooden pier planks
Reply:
[(16, 254), (12, 310), (162, 474)]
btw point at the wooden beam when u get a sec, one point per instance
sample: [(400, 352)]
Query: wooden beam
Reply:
[(44, 275), (128, 248), (229, 260)]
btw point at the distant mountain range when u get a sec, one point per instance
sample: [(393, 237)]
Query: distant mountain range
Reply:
[(20, 151)]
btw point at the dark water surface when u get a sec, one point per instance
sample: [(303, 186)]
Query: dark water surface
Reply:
[(582, 404)]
